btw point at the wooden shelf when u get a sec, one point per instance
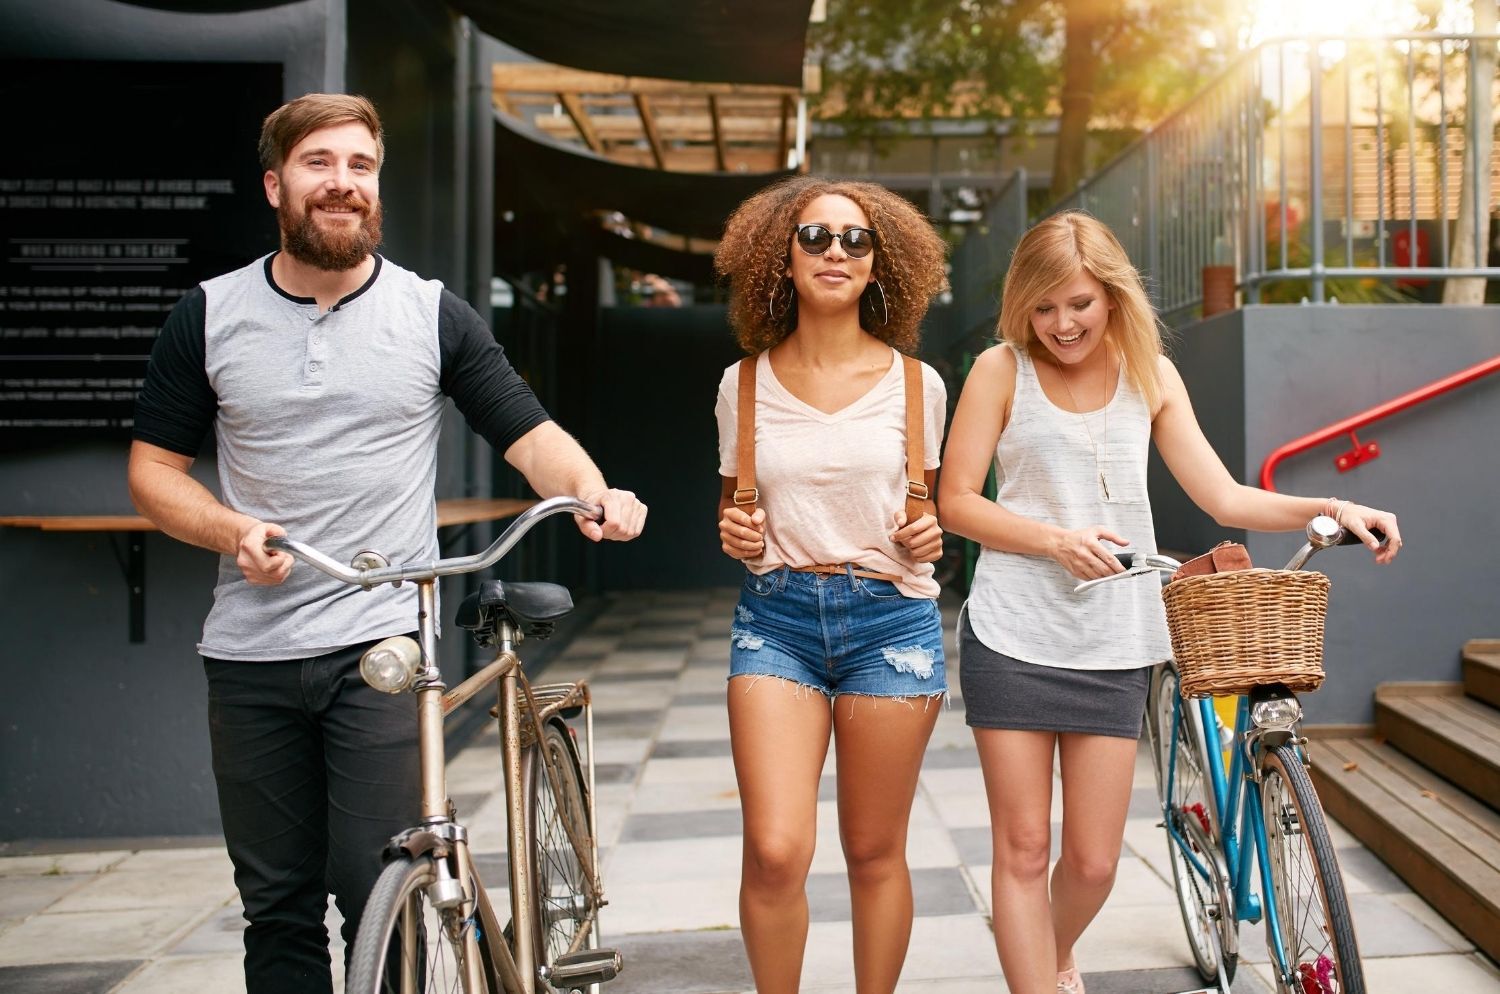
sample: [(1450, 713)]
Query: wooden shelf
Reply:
[(455, 511)]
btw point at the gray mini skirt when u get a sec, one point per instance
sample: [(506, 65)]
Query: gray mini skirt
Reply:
[(1002, 692)]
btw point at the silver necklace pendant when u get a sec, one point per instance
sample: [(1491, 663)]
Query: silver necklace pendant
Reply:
[(1103, 484)]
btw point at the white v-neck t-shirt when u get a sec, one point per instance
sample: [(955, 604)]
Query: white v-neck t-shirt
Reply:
[(831, 484)]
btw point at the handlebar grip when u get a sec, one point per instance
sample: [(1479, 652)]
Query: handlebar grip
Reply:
[(1352, 539)]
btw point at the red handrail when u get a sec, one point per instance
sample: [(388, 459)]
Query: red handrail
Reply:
[(1365, 451)]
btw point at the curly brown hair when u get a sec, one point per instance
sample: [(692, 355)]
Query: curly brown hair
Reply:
[(754, 256)]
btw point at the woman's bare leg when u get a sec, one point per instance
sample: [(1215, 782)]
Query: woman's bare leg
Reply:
[(779, 734), (879, 744), (1097, 775), (1018, 783)]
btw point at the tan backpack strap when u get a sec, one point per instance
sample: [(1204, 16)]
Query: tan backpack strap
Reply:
[(918, 499), (746, 495)]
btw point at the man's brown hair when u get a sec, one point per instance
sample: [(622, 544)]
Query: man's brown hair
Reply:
[(288, 124)]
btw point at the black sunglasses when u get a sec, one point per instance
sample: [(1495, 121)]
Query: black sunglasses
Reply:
[(815, 239)]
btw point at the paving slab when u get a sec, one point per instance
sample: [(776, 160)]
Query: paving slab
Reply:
[(134, 919)]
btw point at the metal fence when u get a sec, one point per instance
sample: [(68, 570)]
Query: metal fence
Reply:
[(1315, 167)]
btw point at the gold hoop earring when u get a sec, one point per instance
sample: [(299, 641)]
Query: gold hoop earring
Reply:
[(885, 314), (791, 296)]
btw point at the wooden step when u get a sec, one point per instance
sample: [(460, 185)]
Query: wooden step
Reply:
[(1482, 670), (1451, 734), (1443, 843)]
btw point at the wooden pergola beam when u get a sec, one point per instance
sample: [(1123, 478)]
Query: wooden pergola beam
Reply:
[(713, 115), (648, 125), (540, 77), (581, 121)]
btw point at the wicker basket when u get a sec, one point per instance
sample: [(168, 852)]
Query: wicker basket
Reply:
[(1236, 630)]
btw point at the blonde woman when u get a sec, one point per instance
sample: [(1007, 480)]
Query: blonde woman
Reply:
[(837, 632), (1065, 407)]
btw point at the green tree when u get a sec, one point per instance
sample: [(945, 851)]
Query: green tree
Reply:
[(1082, 61)]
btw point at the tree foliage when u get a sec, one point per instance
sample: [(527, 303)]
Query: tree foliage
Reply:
[(1119, 63)]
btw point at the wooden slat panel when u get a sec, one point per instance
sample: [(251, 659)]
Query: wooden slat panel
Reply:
[(1437, 743), (713, 115), (1470, 824), (670, 127), (540, 77), (1482, 676), (581, 120), (648, 126), (1461, 886)]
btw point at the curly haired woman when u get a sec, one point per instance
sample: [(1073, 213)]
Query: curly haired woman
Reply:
[(837, 632)]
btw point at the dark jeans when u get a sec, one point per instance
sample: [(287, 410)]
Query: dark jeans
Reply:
[(316, 772)]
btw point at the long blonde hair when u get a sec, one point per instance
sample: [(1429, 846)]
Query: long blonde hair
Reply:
[(1058, 249)]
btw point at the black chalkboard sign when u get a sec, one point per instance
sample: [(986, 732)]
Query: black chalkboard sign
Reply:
[(124, 184)]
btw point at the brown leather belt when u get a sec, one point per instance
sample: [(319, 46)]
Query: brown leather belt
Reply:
[(829, 569)]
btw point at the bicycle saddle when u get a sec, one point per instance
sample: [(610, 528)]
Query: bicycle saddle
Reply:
[(532, 607)]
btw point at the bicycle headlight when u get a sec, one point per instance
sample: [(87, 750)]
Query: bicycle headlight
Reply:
[(1276, 712), (391, 665)]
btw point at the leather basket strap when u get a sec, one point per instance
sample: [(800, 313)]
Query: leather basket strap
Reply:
[(746, 495), (918, 499)]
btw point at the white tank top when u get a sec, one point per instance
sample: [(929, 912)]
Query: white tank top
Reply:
[(1045, 469)]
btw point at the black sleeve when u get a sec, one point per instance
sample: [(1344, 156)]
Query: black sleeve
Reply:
[(494, 399), (176, 406)]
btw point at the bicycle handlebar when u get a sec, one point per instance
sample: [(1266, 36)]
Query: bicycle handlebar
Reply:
[(368, 575), (1322, 533)]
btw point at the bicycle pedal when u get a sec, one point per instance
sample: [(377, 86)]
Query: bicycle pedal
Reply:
[(582, 969)]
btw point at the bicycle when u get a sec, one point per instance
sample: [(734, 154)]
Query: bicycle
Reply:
[(1220, 832), (429, 924)]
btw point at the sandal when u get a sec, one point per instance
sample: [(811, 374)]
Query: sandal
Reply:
[(1070, 981)]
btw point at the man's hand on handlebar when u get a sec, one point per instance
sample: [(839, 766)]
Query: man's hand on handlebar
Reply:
[(261, 566), (624, 517)]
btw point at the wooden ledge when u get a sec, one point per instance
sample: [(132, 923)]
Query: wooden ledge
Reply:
[(455, 511)]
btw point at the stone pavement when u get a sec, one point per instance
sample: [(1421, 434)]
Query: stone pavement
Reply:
[(167, 920)]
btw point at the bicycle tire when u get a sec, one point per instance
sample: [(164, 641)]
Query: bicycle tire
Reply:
[(430, 961), (1317, 928), (561, 876), (1189, 798)]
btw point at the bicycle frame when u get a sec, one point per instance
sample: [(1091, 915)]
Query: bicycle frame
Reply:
[(1237, 812), (439, 833)]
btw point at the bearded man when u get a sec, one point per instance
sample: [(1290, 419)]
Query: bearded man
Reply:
[(322, 370)]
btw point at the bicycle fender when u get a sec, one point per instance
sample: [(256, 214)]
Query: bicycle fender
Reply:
[(416, 843)]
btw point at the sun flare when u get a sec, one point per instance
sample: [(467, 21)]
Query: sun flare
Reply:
[(1358, 18)]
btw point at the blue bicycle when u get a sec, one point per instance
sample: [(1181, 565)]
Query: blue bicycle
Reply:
[(1254, 827)]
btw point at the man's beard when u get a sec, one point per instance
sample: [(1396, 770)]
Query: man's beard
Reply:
[(335, 250)]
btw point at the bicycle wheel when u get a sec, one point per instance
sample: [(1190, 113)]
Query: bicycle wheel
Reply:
[(1317, 931), (1176, 747), (405, 944), (562, 874)]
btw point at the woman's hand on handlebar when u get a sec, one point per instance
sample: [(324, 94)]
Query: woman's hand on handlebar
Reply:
[(624, 517), (1363, 520), (1084, 556), (261, 566)]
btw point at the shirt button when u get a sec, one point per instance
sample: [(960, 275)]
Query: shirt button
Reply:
[(312, 367)]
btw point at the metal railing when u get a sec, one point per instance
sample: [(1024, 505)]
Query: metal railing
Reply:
[(979, 262), (1362, 452), (1311, 166)]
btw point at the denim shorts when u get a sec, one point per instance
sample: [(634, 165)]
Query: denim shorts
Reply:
[(838, 634)]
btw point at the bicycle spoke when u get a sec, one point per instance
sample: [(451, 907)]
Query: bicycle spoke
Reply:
[(1315, 931)]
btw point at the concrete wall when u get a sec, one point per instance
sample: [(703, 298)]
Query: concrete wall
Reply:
[(654, 432), (102, 737), (1262, 376)]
